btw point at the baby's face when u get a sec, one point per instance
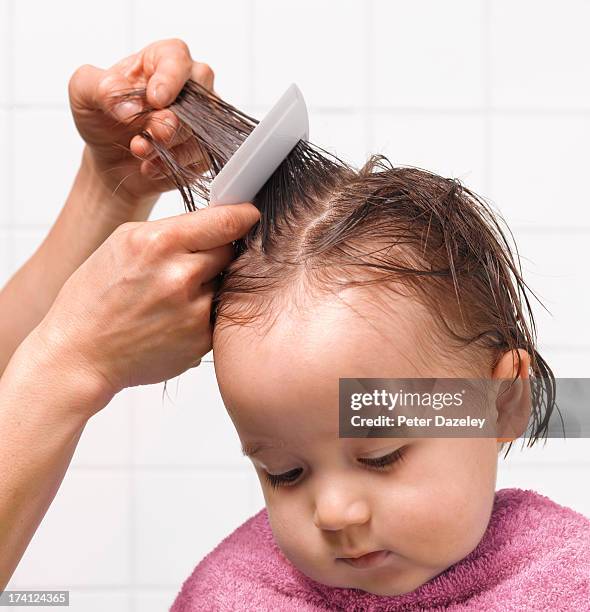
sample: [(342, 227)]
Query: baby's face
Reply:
[(420, 509)]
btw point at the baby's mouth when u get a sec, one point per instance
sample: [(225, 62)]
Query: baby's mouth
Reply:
[(368, 560)]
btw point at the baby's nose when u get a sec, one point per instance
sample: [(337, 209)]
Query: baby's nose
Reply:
[(333, 513)]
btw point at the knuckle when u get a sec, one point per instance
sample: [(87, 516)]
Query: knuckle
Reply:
[(139, 240), (155, 238), (125, 227), (149, 242), (106, 86), (206, 71), (134, 241), (202, 310), (78, 75), (176, 280), (180, 45), (228, 222)]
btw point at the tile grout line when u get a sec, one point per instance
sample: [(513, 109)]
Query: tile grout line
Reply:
[(10, 134), (369, 78), (131, 473), (131, 12), (576, 112), (251, 52), (516, 228), (487, 85)]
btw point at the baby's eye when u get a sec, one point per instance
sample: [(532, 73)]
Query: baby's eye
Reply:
[(284, 479), (384, 461)]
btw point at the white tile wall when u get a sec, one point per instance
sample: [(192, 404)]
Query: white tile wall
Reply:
[(51, 39), (552, 262), (25, 243), (5, 50), (449, 144), (147, 601), (568, 361), (181, 516), (492, 92), (5, 168), (193, 406), (84, 538), (169, 205), (106, 440), (562, 483), (5, 255), (99, 601), (217, 37), (39, 193), (538, 176), (319, 45), (342, 133), (540, 53), (428, 54)]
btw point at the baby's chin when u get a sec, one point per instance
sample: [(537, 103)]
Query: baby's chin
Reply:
[(387, 582), (383, 586)]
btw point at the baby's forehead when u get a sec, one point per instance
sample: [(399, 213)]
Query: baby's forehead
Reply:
[(297, 361), (352, 315)]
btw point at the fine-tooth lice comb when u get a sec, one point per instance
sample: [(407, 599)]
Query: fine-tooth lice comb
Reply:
[(269, 143)]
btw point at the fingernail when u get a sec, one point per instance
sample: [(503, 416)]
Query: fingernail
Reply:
[(169, 122), (125, 110), (154, 170), (147, 148), (161, 94)]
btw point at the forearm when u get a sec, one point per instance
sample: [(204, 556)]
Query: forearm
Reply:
[(89, 216), (43, 410)]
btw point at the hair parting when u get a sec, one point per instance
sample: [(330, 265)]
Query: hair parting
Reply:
[(331, 226)]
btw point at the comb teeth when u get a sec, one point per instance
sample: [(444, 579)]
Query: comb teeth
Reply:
[(262, 152)]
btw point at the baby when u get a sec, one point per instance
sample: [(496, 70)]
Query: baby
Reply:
[(379, 273)]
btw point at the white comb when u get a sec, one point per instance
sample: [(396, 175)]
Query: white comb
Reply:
[(262, 152)]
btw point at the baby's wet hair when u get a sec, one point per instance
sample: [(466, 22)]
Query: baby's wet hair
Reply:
[(326, 225)]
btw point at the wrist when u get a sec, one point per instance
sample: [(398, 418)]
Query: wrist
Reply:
[(46, 369), (90, 215), (112, 203)]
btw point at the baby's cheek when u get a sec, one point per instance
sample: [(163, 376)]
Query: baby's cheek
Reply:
[(301, 542), (290, 527), (438, 519)]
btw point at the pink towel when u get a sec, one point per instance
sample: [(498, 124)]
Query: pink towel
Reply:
[(534, 555)]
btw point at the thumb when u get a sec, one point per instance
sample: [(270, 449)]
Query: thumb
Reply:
[(92, 88), (215, 226)]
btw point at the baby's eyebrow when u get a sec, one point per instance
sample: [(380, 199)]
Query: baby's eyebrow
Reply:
[(250, 449)]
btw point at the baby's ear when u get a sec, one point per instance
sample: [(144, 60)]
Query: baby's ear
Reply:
[(513, 401)]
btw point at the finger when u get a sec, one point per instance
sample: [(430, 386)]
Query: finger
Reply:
[(83, 87), (168, 64), (92, 88), (207, 293), (203, 73), (163, 126), (215, 226), (141, 148), (186, 155), (109, 90), (212, 262), (159, 186)]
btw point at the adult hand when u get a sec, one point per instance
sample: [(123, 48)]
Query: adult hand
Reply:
[(138, 310), (107, 126)]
